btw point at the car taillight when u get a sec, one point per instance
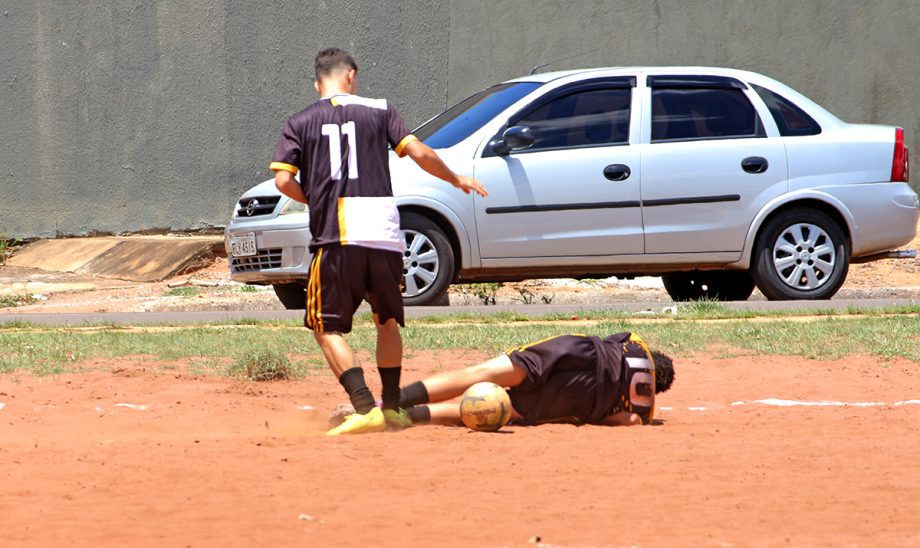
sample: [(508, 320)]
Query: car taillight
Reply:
[(900, 165)]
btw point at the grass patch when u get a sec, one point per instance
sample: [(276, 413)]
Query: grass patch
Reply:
[(249, 289), (260, 351), (11, 301), (182, 291)]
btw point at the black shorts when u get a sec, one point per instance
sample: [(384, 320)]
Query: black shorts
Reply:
[(343, 276)]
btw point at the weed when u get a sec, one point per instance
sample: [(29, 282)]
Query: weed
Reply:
[(249, 289), (485, 292), (263, 365), (6, 247), (526, 296)]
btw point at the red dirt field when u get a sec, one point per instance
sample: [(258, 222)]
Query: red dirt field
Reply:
[(208, 461)]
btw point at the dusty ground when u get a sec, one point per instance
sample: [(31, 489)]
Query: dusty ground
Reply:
[(881, 279), (136, 452), (140, 452)]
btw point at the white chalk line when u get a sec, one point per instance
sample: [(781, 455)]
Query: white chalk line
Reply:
[(136, 407), (777, 402)]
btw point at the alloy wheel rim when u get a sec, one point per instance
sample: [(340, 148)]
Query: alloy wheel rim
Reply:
[(804, 256), (420, 263)]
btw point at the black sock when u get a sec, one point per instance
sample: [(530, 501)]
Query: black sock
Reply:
[(420, 414), (361, 397), (389, 377), (413, 394)]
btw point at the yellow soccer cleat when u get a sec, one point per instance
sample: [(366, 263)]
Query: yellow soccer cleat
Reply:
[(357, 423), (397, 419)]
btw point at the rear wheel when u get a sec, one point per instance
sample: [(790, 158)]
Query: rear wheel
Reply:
[(292, 296), (428, 261), (801, 254), (721, 285)]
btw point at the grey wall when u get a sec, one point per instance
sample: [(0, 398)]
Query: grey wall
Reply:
[(121, 116)]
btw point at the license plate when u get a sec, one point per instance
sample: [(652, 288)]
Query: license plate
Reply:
[(244, 245)]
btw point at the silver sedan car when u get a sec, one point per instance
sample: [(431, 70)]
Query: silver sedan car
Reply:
[(715, 179)]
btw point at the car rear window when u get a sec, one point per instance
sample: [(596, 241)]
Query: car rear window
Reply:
[(688, 113), (790, 119)]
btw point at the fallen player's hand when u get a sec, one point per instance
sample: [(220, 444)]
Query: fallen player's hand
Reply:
[(466, 184)]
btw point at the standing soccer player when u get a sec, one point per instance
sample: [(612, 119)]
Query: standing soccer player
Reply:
[(339, 146)]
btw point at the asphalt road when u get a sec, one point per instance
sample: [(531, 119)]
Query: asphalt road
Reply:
[(204, 317)]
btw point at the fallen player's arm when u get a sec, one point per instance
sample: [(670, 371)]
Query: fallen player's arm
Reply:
[(622, 418), (428, 159), (287, 185)]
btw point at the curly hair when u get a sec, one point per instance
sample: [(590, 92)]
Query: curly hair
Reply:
[(332, 59), (664, 371)]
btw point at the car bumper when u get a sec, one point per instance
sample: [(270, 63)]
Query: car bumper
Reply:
[(885, 215), (282, 252)]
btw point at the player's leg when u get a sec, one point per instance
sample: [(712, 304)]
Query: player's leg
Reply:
[(385, 297), (451, 384), (331, 304), (443, 413)]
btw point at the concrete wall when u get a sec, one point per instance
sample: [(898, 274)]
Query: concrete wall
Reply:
[(121, 116)]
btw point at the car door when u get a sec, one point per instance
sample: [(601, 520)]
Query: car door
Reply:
[(575, 191), (709, 166)]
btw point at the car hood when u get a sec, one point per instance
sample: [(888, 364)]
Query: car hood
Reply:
[(265, 188)]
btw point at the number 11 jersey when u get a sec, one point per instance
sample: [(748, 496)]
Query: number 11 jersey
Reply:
[(339, 145)]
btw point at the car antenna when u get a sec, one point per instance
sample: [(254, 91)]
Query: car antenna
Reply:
[(538, 67)]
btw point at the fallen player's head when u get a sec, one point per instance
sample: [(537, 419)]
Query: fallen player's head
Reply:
[(332, 63), (664, 371)]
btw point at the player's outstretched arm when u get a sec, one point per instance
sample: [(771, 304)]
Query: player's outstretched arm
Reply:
[(428, 159), (287, 185)]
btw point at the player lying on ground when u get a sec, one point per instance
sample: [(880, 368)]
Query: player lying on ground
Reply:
[(569, 378)]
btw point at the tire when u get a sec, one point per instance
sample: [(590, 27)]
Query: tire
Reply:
[(801, 254), (720, 285), (428, 261), (292, 296)]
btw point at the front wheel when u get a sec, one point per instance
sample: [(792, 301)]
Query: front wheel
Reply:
[(293, 296), (801, 254), (428, 261)]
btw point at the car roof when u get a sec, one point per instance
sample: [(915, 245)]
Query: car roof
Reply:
[(545, 77)]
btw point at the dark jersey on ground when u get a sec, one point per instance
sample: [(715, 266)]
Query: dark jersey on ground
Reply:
[(339, 145), (576, 378)]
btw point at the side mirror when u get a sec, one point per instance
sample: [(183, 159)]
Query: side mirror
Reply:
[(514, 138)]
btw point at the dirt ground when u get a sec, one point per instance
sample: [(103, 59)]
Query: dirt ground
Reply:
[(138, 452)]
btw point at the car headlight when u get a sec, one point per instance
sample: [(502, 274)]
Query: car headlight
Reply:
[(293, 206)]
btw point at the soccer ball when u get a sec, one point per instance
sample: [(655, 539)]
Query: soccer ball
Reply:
[(485, 407)]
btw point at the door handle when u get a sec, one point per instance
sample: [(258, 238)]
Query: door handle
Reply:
[(617, 172), (755, 164)]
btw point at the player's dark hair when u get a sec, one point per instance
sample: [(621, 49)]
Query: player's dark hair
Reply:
[(664, 371), (332, 59)]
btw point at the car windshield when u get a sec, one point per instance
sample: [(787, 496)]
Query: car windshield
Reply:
[(459, 121)]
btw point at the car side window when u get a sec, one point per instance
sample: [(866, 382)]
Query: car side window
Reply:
[(790, 119), (581, 119), (690, 113)]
